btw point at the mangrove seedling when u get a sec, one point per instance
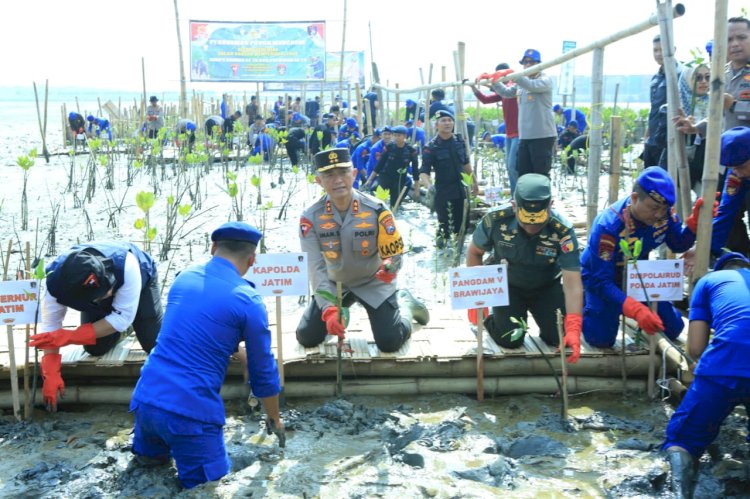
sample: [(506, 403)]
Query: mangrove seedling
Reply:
[(145, 201), (25, 162)]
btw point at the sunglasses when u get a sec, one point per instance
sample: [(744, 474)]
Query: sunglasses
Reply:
[(528, 61), (703, 77)]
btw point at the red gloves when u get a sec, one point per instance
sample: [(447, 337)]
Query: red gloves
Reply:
[(385, 273), (494, 76), (82, 335), (647, 320), (334, 326), (474, 316), (692, 220), (53, 382), (572, 338)]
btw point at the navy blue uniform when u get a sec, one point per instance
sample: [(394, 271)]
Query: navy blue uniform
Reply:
[(603, 265), (148, 316), (179, 410), (722, 377), (447, 159), (394, 165)]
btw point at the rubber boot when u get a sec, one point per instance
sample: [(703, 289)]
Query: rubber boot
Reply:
[(683, 472), (412, 308)]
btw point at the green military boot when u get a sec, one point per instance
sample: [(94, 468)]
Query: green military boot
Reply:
[(412, 308), (683, 471)]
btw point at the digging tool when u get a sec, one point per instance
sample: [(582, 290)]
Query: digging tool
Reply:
[(399, 199)]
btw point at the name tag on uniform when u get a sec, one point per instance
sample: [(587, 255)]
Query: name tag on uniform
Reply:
[(545, 251)]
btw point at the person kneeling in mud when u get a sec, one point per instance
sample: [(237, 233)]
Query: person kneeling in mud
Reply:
[(352, 238), (538, 245), (720, 301), (114, 285)]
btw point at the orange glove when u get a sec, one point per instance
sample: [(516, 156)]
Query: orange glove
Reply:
[(334, 326), (53, 382), (385, 273), (483, 76), (692, 220), (499, 74), (647, 320), (473, 315), (572, 338), (82, 335)]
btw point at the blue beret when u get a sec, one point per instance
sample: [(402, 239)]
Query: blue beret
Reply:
[(399, 129), (387, 129), (735, 146), (556, 108), (237, 231), (90, 117), (296, 117), (351, 122), (658, 184), (442, 113), (727, 257), (190, 126), (377, 132)]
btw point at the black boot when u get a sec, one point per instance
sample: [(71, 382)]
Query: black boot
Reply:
[(683, 472)]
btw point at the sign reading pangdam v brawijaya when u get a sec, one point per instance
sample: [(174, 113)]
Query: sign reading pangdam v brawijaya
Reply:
[(272, 51)]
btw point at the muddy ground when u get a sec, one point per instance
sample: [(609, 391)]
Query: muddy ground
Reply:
[(436, 446)]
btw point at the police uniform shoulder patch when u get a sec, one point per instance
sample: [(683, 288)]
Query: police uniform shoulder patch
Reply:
[(389, 239), (607, 247), (304, 226), (733, 184), (567, 244)]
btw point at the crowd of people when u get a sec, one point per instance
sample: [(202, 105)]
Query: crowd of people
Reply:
[(352, 238)]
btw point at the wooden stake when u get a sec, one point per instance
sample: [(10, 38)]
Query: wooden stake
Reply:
[(26, 395), (564, 371), (595, 136), (13, 374), (400, 197), (615, 158), (279, 342), (651, 360), (480, 354), (339, 345)]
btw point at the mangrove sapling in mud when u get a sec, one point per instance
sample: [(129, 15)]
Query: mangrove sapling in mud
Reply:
[(25, 162), (90, 169), (145, 201), (52, 232), (235, 193), (89, 228), (289, 193), (257, 180)]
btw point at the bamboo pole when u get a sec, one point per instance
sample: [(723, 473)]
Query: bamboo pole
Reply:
[(42, 125), (26, 387), (615, 162), (677, 159), (183, 84), (651, 360), (279, 342), (143, 101), (713, 141), (511, 385), (480, 354), (378, 118), (564, 371), (458, 58), (595, 137), (343, 47)]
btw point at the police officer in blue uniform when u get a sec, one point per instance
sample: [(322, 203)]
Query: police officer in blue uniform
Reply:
[(377, 149), (211, 308), (324, 134), (361, 156), (647, 214), (720, 302), (446, 155), (102, 125), (295, 144), (352, 238), (397, 161), (113, 285)]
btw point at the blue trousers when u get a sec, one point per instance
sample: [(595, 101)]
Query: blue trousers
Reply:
[(196, 447), (511, 159), (707, 403), (601, 320)]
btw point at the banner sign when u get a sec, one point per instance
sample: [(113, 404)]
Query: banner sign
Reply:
[(249, 52), (477, 287), (18, 302), (567, 72), (354, 74), (280, 274), (661, 279)]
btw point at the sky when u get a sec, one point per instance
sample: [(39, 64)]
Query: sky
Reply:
[(94, 44)]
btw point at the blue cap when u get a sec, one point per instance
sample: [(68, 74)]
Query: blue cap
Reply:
[(351, 123), (735, 146), (727, 257), (190, 126), (710, 47), (296, 117), (442, 113), (531, 54), (72, 115), (409, 122), (486, 134), (410, 103), (387, 129), (556, 108), (90, 117), (658, 184), (377, 132), (237, 231), (400, 129)]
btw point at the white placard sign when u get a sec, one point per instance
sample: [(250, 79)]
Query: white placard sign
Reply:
[(480, 286), (566, 82), (279, 274), (492, 195), (662, 280), (18, 302)]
